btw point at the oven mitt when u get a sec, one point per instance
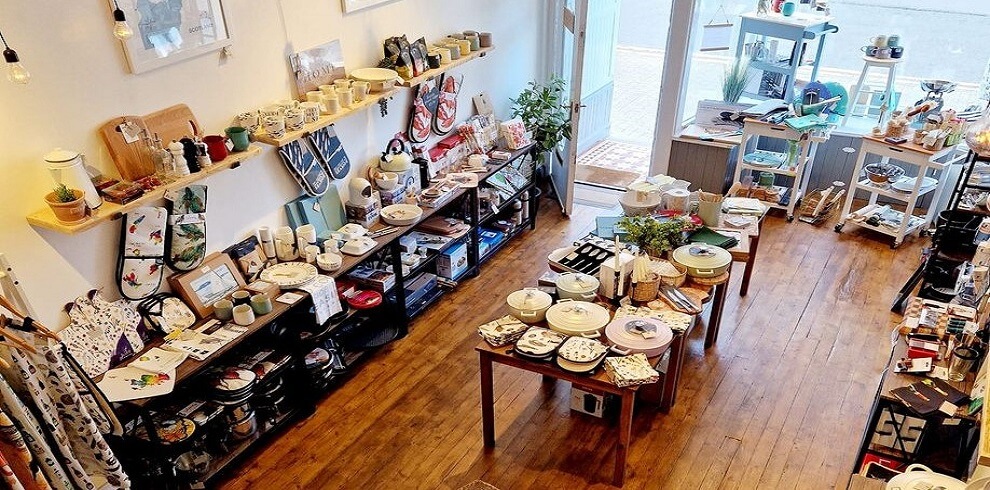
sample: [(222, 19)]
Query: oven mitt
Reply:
[(304, 168), (142, 252), (166, 313), (446, 113), (187, 227), (422, 114), (330, 152)]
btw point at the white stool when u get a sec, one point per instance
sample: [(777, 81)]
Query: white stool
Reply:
[(891, 66)]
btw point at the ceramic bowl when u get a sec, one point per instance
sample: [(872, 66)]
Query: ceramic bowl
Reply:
[(387, 180)]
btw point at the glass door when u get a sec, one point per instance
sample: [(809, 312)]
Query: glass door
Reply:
[(570, 27)]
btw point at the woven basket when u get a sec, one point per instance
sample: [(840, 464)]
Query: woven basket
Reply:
[(646, 291), (675, 281)]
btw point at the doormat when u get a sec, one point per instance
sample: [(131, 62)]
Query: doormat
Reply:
[(618, 155), (607, 177), (478, 485)]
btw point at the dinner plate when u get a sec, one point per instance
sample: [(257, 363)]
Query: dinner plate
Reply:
[(907, 184), (288, 274)]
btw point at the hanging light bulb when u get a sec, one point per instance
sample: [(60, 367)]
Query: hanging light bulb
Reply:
[(15, 70), (121, 29)]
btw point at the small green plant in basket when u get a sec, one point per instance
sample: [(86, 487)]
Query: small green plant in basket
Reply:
[(655, 236)]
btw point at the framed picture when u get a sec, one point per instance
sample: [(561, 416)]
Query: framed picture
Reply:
[(317, 66), (215, 279), (355, 5), (170, 31)]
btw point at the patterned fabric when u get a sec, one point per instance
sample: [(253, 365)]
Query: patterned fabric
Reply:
[(90, 460), (12, 444), (103, 333), (139, 269), (330, 152), (7, 473), (304, 168), (34, 437), (187, 227)]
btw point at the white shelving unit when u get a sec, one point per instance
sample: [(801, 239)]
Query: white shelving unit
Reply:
[(928, 164), (753, 129)]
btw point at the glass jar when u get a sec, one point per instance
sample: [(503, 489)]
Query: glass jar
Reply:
[(978, 135)]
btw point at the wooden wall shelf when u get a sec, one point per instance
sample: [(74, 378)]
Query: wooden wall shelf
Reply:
[(44, 218), (324, 121), (412, 82)]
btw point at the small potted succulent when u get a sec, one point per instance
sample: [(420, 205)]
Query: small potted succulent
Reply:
[(69, 205)]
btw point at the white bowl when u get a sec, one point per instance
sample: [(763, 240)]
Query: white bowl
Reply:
[(381, 79), (401, 214), (387, 180)]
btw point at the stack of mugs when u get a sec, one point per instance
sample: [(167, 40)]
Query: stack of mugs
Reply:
[(884, 47)]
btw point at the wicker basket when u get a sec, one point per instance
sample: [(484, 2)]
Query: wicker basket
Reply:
[(810, 203), (646, 291), (675, 281)]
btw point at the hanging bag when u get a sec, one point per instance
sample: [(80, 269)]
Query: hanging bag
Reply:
[(141, 257)]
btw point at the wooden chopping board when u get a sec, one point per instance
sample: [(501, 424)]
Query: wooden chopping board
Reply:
[(131, 159)]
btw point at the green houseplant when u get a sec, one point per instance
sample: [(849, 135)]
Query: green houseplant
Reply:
[(653, 236), (68, 205), (545, 112), (734, 80)]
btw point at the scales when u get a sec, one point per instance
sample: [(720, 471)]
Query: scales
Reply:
[(935, 89)]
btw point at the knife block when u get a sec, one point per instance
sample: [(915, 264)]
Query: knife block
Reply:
[(607, 276)]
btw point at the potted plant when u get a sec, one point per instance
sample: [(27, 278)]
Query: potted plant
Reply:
[(653, 236), (545, 112), (735, 79), (68, 205)]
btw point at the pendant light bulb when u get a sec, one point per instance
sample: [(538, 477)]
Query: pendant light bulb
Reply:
[(121, 29), (15, 70)]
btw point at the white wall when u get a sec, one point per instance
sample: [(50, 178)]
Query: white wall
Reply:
[(80, 81)]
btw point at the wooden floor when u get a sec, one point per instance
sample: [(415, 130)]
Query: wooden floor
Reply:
[(779, 402)]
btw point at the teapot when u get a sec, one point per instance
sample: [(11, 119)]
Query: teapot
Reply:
[(396, 157)]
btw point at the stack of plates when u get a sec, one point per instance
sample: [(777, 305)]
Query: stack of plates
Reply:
[(907, 184), (503, 331), (539, 344), (233, 386), (631, 370), (580, 355)]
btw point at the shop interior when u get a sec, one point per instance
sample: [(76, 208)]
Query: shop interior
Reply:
[(494, 245)]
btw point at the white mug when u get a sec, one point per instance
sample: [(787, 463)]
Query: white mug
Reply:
[(287, 104), (285, 244), (344, 97), (314, 96), (294, 119), (331, 104), (328, 90), (243, 315), (342, 83), (305, 236), (312, 110), (880, 40), (275, 126), (311, 252), (248, 120), (272, 110), (360, 90)]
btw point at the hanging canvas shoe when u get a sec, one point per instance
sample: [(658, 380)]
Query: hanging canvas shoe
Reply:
[(187, 227), (140, 261), (446, 114), (303, 166)]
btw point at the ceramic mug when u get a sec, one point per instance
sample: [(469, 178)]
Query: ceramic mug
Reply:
[(311, 252), (455, 50), (485, 39), (331, 105), (243, 315), (788, 8), (249, 120), (870, 50), (305, 236), (342, 83), (475, 42), (465, 46), (327, 89), (893, 40), (880, 40), (314, 96), (433, 58), (223, 309), (444, 54), (272, 110), (294, 119), (883, 53), (312, 110), (344, 97), (261, 304), (239, 137), (287, 104), (216, 147), (240, 297), (360, 90), (275, 126), (896, 52)]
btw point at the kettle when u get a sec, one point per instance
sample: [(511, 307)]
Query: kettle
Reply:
[(68, 167), (396, 157)]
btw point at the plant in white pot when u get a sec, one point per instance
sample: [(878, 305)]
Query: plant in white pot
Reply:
[(69, 205), (545, 112)]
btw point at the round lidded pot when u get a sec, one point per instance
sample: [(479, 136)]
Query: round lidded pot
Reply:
[(529, 305), (576, 286)]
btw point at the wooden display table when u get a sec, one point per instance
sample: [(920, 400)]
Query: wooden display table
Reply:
[(488, 356)]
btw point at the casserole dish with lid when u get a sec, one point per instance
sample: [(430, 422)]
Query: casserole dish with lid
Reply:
[(578, 318), (633, 334), (577, 286), (529, 305), (702, 260)]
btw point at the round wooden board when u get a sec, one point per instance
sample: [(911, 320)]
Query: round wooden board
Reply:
[(711, 281)]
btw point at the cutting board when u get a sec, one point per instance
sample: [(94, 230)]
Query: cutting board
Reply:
[(131, 159)]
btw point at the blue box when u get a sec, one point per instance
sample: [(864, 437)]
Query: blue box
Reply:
[(453, 261), (488, 239)]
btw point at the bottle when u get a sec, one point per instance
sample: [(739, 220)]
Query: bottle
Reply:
[(162, 159), (176, 150)]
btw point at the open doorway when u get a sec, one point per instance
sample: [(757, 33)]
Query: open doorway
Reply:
[(620, 90)]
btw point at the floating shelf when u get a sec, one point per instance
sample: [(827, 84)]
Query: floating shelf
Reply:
[(324, 121), (110, 211), (430, 74)]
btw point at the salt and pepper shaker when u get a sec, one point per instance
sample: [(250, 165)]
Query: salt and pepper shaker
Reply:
[(178, 159), (202, 154)]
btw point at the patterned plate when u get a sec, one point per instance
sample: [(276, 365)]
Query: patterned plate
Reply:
[(289, 274)]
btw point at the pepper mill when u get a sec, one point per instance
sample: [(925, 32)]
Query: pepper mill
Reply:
[(178, 158)]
